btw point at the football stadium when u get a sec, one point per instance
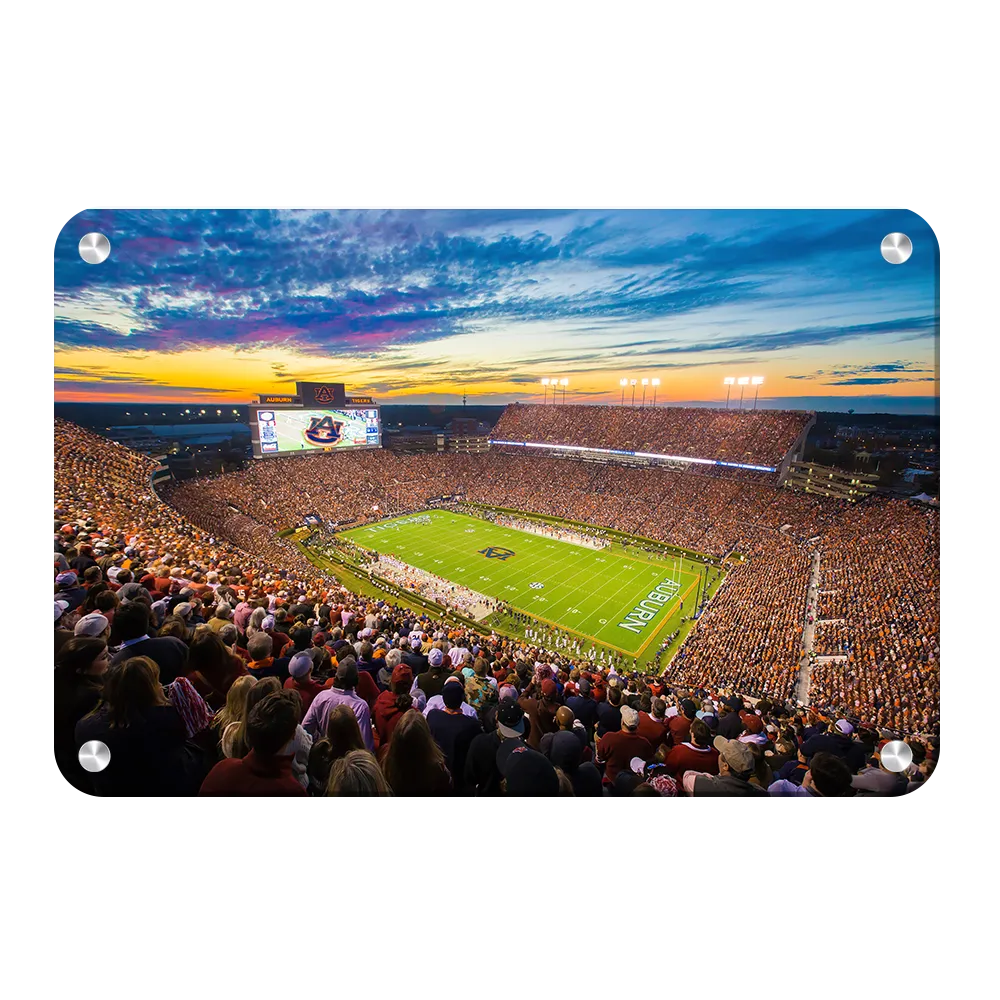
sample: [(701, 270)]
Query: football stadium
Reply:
[(604, 601)]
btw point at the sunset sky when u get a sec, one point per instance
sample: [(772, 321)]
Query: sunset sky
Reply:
[(422, 306)]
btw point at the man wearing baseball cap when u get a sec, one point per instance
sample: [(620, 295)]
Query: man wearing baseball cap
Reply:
[(93, 626), (736, 768), (525, 772), (63, 635), (616, 750), (413, 656), (839, 741), (70, 590), (300, 678), (482, 774), (431, 681)]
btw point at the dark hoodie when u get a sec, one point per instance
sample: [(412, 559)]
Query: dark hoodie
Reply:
[(565, 752), (848, 750)]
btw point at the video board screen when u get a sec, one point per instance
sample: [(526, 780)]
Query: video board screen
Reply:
[(282, 432)]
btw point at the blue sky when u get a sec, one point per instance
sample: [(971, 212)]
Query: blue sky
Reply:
[(419, 306)]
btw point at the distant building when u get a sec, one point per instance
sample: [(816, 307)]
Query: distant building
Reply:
[(808, 477), (415, 441)]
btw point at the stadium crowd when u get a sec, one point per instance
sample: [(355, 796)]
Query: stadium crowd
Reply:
[(182, 639), (760, 437)]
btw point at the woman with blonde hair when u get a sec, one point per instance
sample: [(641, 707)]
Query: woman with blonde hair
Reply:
[(414, 764), (229, 717), (237, 744), (357, 774)]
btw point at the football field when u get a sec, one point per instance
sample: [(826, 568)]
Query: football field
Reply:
[(616, 598)]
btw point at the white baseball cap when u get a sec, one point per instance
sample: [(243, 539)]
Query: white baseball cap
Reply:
[(92, 625)]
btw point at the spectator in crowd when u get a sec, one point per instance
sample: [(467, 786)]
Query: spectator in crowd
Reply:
[(566, 755), (144, 732), (482, 773), (391, 705), (609, 716), (341, 693), (616, 750), (694, 754), (229, 718), (584, 706), (653, 723), (357, 774), (524, 771), (341, 737), (431, 681), (452, 729), (300, 678), (211, 667), (828, 777), (415, 764), (132, 624), (735, 777), (267, 767), (839, 741), (679, 725)]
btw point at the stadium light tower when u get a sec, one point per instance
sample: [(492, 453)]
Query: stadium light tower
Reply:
[(758, 381), (645, 382), (728, 383), (623, 382), (656, 382), (564, 382), (545, 390), (742, 383), (632, 382)]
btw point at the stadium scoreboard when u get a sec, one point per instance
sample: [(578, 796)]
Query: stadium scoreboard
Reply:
[(319, 417)]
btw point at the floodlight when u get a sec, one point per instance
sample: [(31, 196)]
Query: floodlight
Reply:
[(656, 381), (545, 381), (623, 382), (564, 381), (729, 381), (743, 381), (645, 381), (757, 380), (632, 382)]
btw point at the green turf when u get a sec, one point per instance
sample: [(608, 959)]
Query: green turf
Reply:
[(585, 591)]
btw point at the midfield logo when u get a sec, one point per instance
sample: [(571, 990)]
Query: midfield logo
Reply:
[(495, 552)]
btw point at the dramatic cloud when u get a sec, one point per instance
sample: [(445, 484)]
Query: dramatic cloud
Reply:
[(595, 289)]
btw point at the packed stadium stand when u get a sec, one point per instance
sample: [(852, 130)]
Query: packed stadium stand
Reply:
[(761, 437), (237, 667)]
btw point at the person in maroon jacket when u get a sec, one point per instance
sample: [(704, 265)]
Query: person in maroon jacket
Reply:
[(267, 768), (696, 754), (391, 705), (653, 724), (616, 750), (680, 724)]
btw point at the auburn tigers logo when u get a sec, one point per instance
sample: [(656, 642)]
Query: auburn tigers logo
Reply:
[(496, 552), (324, 394), (323, 431)]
